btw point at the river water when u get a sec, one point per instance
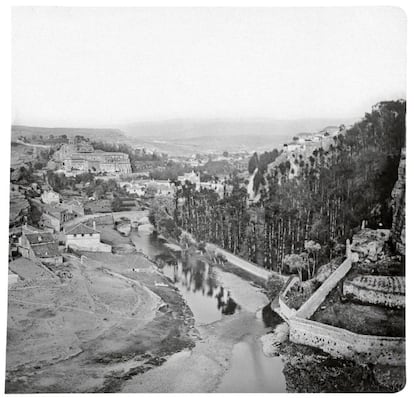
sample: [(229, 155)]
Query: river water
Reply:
[(213, 294)]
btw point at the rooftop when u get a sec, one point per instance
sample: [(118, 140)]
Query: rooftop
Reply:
[(81, 229), (40, 238)]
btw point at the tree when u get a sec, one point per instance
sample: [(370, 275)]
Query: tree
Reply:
[(295, 263), (312, 248), (116, 204)]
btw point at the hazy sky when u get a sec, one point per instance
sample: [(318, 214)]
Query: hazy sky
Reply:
[(107, 67)]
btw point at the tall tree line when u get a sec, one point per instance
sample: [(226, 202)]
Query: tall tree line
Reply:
[(333, 192)]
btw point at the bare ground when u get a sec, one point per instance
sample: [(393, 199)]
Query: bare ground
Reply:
[(95, 330)]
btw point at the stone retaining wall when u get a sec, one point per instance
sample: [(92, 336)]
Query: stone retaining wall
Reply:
[(284, 310), (317, 298), (343, 343), (395, 298)]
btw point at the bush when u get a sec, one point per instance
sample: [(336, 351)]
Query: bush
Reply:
[(274, 286)]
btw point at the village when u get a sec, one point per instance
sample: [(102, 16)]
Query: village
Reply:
[(80, 251)]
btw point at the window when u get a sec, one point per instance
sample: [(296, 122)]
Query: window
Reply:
[(74, 235), (82, 234)]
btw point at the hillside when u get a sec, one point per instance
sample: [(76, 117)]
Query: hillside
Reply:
[(321, 198), (188, 136), (96, 134)]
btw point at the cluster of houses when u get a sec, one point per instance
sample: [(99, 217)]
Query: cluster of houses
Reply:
[(323, 138), (40, 245), (153, 188), (57, 231)]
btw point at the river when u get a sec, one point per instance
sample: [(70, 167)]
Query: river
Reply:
[(216, 298)]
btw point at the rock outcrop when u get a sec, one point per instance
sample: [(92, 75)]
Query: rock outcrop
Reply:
[(369, 243), (398, 206)]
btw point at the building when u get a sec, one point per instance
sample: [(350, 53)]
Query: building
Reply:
[(82, 158), (56, 215), (50, 222), (192, 178), (293, 146), (50, 197), (85, 238), (160, 188), (218, 187), (37, 245), (137, 188)]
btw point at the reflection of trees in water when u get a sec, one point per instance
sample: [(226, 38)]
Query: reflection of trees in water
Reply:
[(198, 276), (227, 306)]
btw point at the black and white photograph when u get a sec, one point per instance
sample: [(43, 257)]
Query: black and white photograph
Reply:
[(205, 200)]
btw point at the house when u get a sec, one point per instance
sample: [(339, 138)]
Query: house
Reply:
[(292, 146), (160, 188), (50, 222), (137, 188), (55, 215), (85, 238), (50, 197), (216, 186), (192, 178), (37, 245)]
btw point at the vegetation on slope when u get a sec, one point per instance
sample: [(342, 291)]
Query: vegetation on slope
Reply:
[(333, 192)]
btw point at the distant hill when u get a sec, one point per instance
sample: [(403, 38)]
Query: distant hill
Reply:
[(94, 134), (188, 136), (191, 128)]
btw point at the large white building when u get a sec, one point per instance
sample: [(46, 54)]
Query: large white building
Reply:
[(83, 158), (85, 238)]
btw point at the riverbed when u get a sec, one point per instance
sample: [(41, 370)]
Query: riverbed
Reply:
[(227, 313)]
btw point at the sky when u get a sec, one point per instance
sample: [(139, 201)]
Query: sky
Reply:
[(105, 67)]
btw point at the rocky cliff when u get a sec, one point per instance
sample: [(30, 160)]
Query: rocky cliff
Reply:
[(398, 205)]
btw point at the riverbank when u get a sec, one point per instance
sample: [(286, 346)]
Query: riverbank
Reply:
[(132, 322), (116, 317), (211, 365)]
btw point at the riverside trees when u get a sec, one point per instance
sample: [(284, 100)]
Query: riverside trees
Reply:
[(326, 199)]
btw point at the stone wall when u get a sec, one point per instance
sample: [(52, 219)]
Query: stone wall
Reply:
[(343, 343), (317, 298), (283, 309), (398, 206)]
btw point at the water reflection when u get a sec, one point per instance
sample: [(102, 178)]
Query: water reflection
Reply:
[(198, 283), (194, 277)]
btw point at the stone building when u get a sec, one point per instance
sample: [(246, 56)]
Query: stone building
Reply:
[(193, 178), (84, 238), (50, 197), (83, 158), (36, 245)]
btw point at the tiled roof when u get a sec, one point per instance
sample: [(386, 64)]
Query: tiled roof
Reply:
[(46, 250), (81, 229), (39, 238)]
